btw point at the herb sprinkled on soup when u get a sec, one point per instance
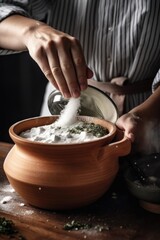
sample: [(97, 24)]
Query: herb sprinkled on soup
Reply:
[(75, 133)]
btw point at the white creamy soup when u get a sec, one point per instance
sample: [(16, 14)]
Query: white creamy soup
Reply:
[(66, 129), (75, 133)]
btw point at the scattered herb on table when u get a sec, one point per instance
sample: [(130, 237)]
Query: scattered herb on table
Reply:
[(74, 225), (7, 227)]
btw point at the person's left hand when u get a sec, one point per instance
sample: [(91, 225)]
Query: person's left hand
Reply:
[(130, 124), (134, 128), (142, 124), (142, 131)]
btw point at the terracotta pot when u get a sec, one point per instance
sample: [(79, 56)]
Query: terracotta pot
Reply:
[(63, 176)]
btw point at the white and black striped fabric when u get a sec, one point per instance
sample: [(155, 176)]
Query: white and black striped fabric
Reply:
[(119, 37)]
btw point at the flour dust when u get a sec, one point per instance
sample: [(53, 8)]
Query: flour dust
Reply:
[(68, 115)]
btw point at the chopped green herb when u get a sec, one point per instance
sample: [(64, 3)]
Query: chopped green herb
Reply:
[(73, 225), (95, 129), (8, 228), (100, 228)]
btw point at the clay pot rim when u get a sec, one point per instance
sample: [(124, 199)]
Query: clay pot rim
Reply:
[(13, 131)]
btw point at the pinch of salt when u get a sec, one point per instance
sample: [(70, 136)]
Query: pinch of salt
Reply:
[(68, 115)]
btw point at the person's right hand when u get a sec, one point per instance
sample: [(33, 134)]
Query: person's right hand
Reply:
[(60, 58)]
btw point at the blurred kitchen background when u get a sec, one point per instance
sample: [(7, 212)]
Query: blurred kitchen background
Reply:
[(22, 86)]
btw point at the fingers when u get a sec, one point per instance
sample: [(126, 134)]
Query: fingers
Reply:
[(130, 135), (130, 124), (79, 63), (61, 59), (128, 129), (38, 53), (69, 70), (57, 70), (89, 73)]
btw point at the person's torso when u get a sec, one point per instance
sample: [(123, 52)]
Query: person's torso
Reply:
[(119, 37)]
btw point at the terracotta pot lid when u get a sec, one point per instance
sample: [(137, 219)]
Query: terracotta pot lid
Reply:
[(94, 103)]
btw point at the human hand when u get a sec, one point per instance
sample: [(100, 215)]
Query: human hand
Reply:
[(60, 57), (129, 123), (142, 124), (142, 132), (134, 128)]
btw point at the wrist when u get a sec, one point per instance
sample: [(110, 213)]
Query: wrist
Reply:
[(19, 29), (30, 31)]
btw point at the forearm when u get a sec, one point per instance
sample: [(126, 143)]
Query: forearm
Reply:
[(59, 55), (145, 116), (14, 30), (150, 109)]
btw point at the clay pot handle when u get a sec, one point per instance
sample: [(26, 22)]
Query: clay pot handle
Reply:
[(120, 146)]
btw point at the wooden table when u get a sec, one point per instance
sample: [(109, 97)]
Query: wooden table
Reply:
[(116, 216)]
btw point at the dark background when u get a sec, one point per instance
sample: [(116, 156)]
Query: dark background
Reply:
[(22, 86)]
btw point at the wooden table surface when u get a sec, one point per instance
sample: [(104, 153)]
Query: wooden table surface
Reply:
[(116, 216)]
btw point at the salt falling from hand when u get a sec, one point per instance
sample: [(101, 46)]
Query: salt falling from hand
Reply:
[(68, 115)]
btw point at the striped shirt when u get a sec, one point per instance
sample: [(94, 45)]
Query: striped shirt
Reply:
[(119, 37)]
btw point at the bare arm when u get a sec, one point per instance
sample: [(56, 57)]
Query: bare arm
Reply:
[(142, 119), (59, 55)]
